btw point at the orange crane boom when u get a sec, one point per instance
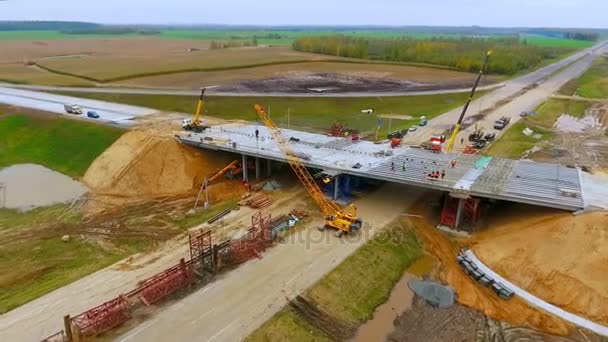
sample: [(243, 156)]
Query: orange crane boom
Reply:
[(335, 217)]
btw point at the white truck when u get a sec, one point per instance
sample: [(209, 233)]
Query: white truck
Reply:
[(73, 109)]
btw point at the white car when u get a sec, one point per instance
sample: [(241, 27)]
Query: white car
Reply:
[(413, 129)]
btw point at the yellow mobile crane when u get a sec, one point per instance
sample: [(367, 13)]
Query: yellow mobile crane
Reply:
[(196, 125), (466, 106), (345, 221)]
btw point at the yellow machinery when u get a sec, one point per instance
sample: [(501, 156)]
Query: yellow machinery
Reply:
[(196, 124), (231, 166), (335, 217), (456, 130)]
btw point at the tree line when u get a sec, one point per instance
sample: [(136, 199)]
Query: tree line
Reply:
[(467, 53)]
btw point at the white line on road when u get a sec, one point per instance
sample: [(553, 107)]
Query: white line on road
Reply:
[(221, 331)]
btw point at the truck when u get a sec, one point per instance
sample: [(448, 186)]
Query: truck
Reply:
[(73, 109), (502, 122), (434, 144)]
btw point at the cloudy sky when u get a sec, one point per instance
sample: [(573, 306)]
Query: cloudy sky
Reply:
[(550, 13)]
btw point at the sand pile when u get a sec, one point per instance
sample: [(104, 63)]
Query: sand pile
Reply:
[(469, 293), (558, 257), (142, 165)]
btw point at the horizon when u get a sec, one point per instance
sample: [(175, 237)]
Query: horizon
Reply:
[(386, 13)]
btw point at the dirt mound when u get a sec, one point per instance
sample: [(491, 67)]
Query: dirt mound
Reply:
[(557, 256), (143, 165), (468, 291)]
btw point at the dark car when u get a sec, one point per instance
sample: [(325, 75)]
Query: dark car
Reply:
[(479, 144), (490, 136), (93, 114)]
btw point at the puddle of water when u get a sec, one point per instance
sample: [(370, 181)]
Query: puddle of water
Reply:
[(27, 186), (422, 266), (381, 325)]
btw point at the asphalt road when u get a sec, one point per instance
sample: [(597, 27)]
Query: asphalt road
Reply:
[(544, 83), (112, 113)]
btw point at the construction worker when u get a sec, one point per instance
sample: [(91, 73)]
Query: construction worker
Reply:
[(404, 166), (453, 163), (442, 174), (461, 141), (257, 134), (392, 166)]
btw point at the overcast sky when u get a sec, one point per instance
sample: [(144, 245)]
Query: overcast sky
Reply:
[(531, 13)]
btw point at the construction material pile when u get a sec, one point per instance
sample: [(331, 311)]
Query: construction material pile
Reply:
[(146, 165), (556, 256)]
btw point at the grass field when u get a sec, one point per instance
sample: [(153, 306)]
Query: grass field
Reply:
[(353, 290), (20, 73), (592, 84), (557, 42), (313, 114), (66, 146), (117, 66), (52, 35), (514, 143)]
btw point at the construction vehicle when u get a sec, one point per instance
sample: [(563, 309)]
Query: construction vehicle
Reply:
[(196, 124), (502, 122), (478, 134), (395, 142), (73, 109), (434, 144), (345, 221), (229, 169), (456, 130)]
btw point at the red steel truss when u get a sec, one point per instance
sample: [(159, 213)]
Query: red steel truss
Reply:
[(163, 284), (201, 255), (103, 317)]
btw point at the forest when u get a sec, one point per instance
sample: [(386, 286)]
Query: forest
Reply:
[(510, 54)]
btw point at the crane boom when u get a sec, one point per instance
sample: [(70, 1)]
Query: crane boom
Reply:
[(326, 206), (466, 106)]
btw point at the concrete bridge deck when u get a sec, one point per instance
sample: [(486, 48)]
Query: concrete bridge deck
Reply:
[(543, 184)]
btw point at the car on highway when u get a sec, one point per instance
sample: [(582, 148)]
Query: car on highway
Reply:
[(73, 109), (93, 114), (413, 129)]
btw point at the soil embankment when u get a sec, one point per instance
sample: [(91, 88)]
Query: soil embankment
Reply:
[(556, 256), (141, 166)]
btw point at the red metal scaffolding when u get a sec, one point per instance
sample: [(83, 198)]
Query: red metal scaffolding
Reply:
[(201, 255), (163, 284), (103, 317)]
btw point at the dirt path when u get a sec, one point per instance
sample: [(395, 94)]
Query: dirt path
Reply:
[(229, 308)]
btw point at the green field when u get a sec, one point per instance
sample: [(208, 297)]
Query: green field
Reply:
[(514, 143), (313, 114), (66, 146), (592, 84), (353, 290), (557, 42), (286, 37)]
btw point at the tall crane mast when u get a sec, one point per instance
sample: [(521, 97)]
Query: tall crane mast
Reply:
[(466, 106), (196, 124), (335, 217)]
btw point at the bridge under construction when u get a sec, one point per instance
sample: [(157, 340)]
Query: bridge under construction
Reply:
[(465, 177)]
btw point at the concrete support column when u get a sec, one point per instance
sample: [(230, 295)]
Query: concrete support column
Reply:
[(245, 170), (459, 213), (257, 168), (268, 167), (336, 186)]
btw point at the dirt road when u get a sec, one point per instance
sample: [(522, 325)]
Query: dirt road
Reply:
[(227, 309), (517, 95)]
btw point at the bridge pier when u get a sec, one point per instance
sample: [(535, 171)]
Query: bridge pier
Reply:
[(268, 167), (245, 169), (336, 187), (257, 168), (459, 210)]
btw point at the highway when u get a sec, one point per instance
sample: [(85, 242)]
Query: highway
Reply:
[(520, 94), (110, 113)]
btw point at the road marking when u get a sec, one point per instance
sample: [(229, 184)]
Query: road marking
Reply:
[(203, 315), (221, 331), (129, 336)]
